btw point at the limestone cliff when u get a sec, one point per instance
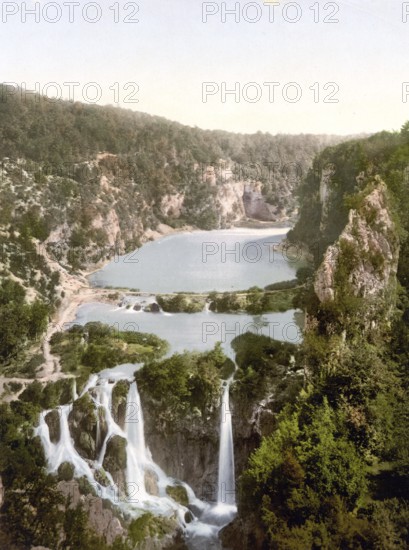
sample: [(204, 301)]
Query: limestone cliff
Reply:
[(367, 249)]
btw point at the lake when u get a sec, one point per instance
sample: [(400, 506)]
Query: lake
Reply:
[(202, 261)]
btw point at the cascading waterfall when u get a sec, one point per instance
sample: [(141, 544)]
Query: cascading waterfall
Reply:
[(100, 389), (226, 482), (200, 532)]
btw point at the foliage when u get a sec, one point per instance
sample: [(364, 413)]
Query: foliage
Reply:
[(21, 323), (181, 303), (96, 347), (183, 383), (260, 360), (334, 472)]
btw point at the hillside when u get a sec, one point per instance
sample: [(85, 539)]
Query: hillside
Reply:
[(334, 472)]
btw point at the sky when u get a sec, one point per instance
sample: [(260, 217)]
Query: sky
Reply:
[(280, 67)]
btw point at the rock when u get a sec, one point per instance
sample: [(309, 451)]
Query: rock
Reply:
[(119, 398), (255, 205), (368, 248), (103, 519), (151, 483), (192, 447), (137, 307), (115, 460), (88, 427), (242, 534), (53, 421), (149, 532), (152, 308), (101, 477), (178, 493)]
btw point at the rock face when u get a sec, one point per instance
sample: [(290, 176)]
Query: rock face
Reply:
[(151, 483), (368, 245), (119, 397), (250, 423), (189, 452), (255, 205), (101, 515), (115, 460), (325, 184)]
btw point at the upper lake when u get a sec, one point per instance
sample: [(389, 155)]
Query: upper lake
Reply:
[(202, 261)]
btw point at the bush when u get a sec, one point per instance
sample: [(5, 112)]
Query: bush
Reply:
[(65, 471)]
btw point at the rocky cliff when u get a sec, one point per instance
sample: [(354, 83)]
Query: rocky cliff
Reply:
[(367, 251)]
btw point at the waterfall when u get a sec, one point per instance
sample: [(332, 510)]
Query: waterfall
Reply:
[(203, 530), (74, 389), (136, 450), (226, 482)]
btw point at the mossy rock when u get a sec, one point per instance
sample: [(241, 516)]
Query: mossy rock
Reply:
[(66, 471), (83, 426), (87, 444), (152, 308), (115, 456), (119, 398), (149, 525), (53, 421), (85, 487), (101, 477), (84, 405), (178, 493)]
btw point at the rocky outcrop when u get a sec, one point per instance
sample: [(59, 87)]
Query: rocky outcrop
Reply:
[(243, 533), (367, 249), (102, 516), (151, 483), (53, 421), (115, 460), (255, 205), (325, 192), (66, 471), (88, 427), (119, 398), (171, 205), (189, 451)]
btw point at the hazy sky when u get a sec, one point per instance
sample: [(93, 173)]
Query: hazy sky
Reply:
[(170, 53)]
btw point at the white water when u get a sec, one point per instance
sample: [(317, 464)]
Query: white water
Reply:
[(136, 451), (226, 482)]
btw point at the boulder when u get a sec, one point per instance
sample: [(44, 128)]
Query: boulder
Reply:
[(53, 421)]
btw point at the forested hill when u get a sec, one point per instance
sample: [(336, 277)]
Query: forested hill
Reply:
[(335, 471), (159, 156), (38, 129)]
